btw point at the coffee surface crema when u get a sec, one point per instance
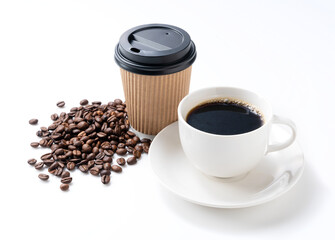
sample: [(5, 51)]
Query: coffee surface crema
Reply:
[(224, 117)]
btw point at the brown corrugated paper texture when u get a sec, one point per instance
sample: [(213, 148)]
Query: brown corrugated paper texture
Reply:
[(152, 101)]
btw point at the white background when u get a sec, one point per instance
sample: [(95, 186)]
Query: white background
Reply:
[(63, 50)]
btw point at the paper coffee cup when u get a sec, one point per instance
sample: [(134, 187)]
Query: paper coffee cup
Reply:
[(156, 62)]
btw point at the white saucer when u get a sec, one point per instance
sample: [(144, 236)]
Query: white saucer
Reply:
[(277, 173)]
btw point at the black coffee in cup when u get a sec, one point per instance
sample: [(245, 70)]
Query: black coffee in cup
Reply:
[(225, 117)]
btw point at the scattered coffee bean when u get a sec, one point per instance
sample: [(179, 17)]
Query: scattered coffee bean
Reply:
[(139, 148), (61, 104), (105, 172), (34, 144), (96, 103), (107, 166), (43, 176), (121, 161), (66, 180), (44, 129), (65, 174), (46, 156), (54, 117), (121, 151), (64, 186), (95, 171), (83, 102), (32, 161), (33, 121), (39, 165), (146, 148), (83, 168), (70, 165), (87, 138), (137, 154), (131, 160), (105, 179), (116, 168)]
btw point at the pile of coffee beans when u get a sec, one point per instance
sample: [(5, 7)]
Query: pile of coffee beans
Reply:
[(87, 138)]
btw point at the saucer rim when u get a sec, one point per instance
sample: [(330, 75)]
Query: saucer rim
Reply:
[(255, 202)]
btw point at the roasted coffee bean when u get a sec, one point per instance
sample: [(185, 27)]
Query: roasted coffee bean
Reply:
[(83, 168), (121, 145), (137, 154), (107, 159), (53, 166), (52, 127), (64, 187), (86, 148), (34, 144), (139, 148), (78, 143), (105, 179), (95, 171), (54, 117), (65, 174), (106, 145), (90, 163), (39, 133), (82, 125), (136, 139), (61, 104), (101, 134), (43, 129), (99, 162), (60, 129), (100, 167), (46, 156), (118, 101), (116, 168), (70, 165), (76, 153), (146, 148), (62, 165), (108, 152), (32, 161), (90, 156), (105, 172), (96, 103), (131, 134), (48, 162), (83, 102), (145, 140), (66, 180), (113, 148), (59, 151), (33, 121), (39, 165), (43, 143), (130, 142), (107, 166), (130, 149), (121, 161), (121, 151), (59, 171), (43, 176), (131, 160)]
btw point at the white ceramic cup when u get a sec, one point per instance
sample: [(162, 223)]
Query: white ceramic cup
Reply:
[(229, 156)]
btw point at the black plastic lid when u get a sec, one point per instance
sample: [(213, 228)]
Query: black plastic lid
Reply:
[(155, 49)]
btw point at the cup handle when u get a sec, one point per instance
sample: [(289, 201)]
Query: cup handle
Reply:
[(279, 146)]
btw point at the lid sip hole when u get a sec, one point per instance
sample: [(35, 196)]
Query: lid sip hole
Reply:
[(136, 50)]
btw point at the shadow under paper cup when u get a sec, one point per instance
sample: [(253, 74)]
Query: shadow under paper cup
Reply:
[(156, 62)]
